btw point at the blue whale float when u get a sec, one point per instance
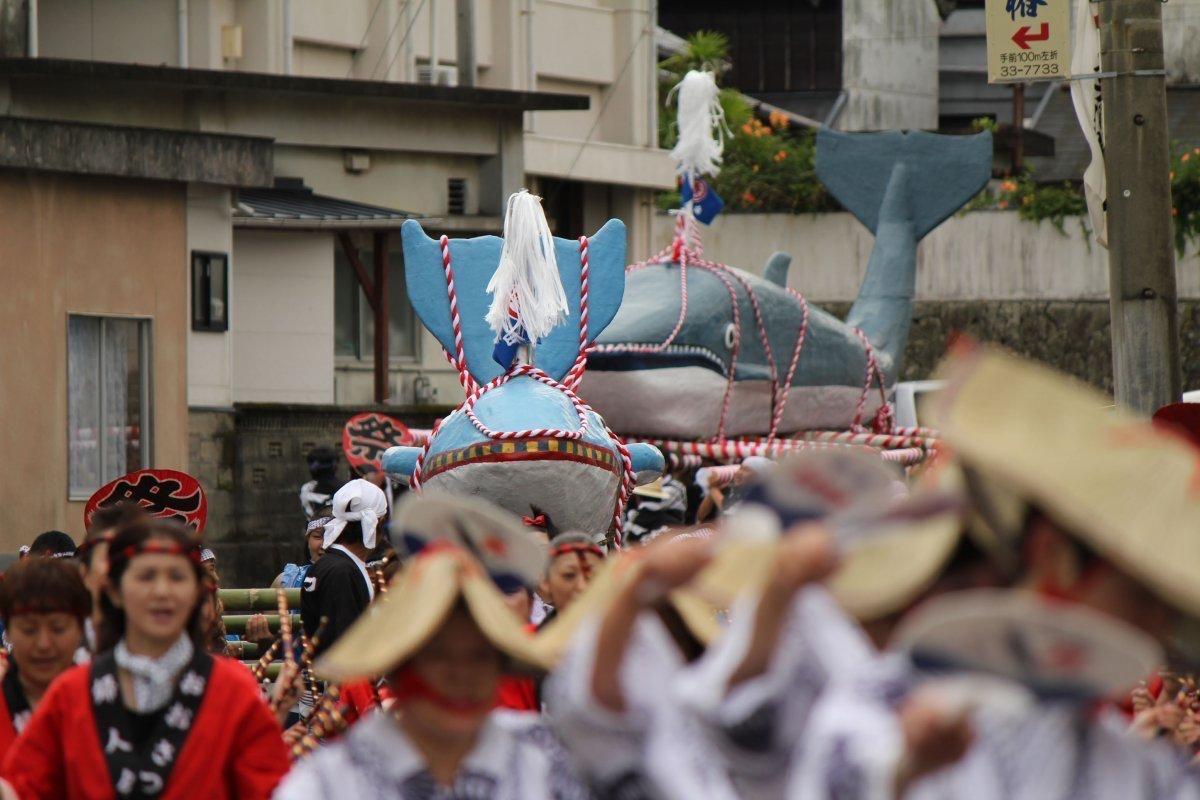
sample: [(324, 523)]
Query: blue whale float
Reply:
[(900, 186), (575, 480)]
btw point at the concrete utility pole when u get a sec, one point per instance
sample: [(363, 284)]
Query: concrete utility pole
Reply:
[(464, 28), (1141, 258)]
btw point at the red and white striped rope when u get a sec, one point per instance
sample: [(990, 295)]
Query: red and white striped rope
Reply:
[(533, 373), (459, 359), (786, 387), (883, 418), (571, 380), (575, 374)]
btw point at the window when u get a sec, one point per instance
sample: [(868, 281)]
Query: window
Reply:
[(773, 47), (210, 291), (354, 323), (108, 400)]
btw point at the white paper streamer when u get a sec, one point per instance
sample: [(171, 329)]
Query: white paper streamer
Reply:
[(701, 123), (527, 278)]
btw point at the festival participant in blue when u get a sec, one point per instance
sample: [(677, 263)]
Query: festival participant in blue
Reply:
[(293, 575)]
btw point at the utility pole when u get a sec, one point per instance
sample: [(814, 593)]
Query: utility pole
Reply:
[(464, 27), (1141, 258)]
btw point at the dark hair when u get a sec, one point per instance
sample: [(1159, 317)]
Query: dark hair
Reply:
[(52, 543), (43, 586), (125, 546), (105, 518), (104, 522), (351, 534)]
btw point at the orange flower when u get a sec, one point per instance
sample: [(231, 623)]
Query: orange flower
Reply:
[(748, 198), (1002, 204), (778, 120), (1184, 158), (780, 156), (1008, 186)]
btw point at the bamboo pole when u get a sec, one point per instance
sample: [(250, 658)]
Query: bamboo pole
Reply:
[(255, 599), (236, 623)]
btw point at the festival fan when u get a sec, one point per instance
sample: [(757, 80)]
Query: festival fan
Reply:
[(366, 436), (164, 493)]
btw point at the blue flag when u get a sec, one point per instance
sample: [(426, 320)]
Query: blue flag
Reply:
[(510, 340), (706, 203)]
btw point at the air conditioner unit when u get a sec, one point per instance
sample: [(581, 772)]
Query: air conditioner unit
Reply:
[(437, 76)]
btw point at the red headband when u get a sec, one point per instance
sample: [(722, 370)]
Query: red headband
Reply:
[(190, 551), (576, 547)]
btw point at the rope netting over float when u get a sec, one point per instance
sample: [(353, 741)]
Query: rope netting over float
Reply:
[(568, 385), (903, 446)]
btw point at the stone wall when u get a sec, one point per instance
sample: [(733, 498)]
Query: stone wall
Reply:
[(250, 460), (1072, 336)]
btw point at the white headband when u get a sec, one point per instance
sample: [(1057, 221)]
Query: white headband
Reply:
[(369, 506)]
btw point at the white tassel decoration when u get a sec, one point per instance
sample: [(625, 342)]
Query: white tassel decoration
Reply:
[(701, 124), (527, 279)]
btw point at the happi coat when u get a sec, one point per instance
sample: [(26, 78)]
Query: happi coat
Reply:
[(516, 757), (232, 746)]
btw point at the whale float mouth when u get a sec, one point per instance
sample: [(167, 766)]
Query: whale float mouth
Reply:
[(628, 357)]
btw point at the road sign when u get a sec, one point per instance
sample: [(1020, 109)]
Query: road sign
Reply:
[(1028, 40)]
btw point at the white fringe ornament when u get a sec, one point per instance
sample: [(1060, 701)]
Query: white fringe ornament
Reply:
[(701, 122), (527, 279)]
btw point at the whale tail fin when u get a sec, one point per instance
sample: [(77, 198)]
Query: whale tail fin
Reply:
[(943, 172), (475, 261), (901, 186)]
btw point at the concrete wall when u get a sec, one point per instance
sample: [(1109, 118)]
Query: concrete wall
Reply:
[(251, 462), (987, 274), (282, 319), (81, 245), (983, 255), (889, 67), (210, 356)]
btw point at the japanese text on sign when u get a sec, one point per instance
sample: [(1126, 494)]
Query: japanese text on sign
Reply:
[(1028, 40)]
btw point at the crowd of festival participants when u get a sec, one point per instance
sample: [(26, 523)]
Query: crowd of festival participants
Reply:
[(1014, 619)]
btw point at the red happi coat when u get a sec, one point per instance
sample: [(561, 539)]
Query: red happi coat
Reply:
[(233, 751), (8, 733)]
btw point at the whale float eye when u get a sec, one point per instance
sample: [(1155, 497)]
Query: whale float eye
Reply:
[(730, 335)]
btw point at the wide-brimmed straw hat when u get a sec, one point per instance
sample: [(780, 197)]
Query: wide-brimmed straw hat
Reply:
[(512, 554), (1126, 488), (427, 589), (735, 566)]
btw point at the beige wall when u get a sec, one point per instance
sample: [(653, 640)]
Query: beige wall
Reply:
[(282, 319), (407, 181), (210, 357), (96, 246)]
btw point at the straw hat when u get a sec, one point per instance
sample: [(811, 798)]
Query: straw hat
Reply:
[(462, 546), (887, 572), (416, 605), (652, 490), (1063, 651), (1126, 488), (735, 566), (512, 554)]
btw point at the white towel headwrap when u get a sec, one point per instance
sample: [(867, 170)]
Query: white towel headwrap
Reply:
[(358, 501)]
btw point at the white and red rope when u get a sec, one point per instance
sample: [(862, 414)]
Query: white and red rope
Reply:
[(567, 386)]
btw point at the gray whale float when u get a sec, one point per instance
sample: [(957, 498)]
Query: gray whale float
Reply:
[(900, 185)]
